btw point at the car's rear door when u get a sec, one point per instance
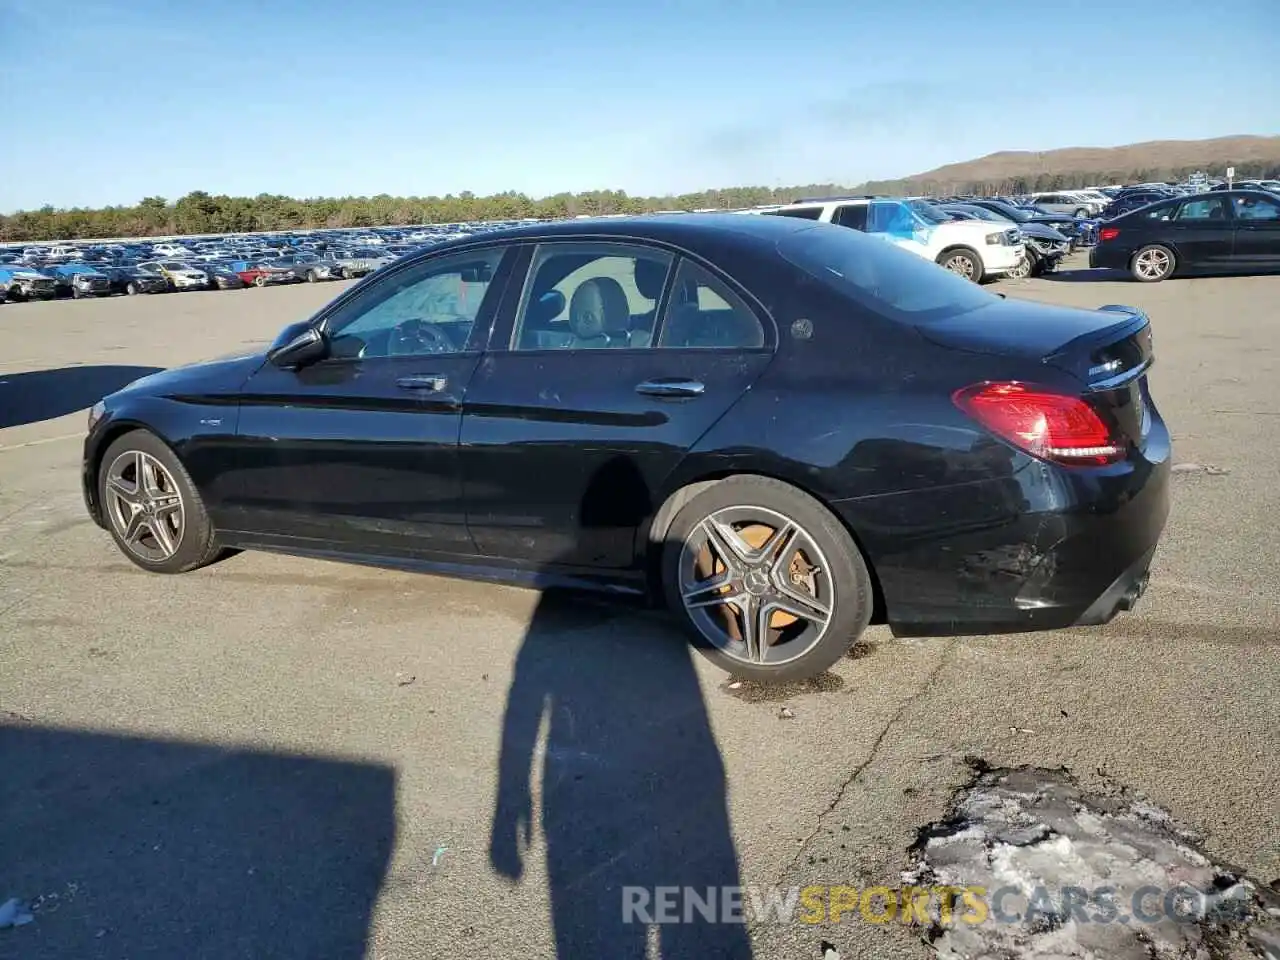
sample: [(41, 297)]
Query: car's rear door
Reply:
[(358, 452), (567, 437)]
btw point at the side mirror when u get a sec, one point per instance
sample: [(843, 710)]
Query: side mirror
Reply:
[(298, 345)]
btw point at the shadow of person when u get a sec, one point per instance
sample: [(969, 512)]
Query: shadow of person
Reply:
[(606, 706), (38, 395)]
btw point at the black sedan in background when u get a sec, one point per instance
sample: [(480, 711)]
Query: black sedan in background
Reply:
[(786, 430), (1228, 231)]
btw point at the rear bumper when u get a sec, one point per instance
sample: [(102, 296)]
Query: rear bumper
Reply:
[(1123, 594), (1042, 549), (1108, 257)]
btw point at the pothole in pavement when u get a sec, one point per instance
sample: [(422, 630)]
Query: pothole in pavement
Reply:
[(1029, 866), (1189, 469), (751, 692)]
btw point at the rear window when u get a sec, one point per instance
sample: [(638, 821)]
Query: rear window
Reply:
[(880, 276)]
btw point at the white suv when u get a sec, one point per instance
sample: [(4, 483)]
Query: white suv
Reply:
[(975, 249)]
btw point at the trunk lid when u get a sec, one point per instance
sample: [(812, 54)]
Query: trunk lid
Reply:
[(1107, 350)]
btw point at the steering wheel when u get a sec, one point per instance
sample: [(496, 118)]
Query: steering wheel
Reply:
[(415, 337)]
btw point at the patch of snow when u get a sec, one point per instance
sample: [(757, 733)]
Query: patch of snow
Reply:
[(1069, 875)]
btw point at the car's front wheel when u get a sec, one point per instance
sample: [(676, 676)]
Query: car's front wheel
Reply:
[(152, 508), (769, 584), (1024, 268), (1153, 263), (964, 262)]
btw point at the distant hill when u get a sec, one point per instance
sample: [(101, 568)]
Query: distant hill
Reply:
[(1016, 171)]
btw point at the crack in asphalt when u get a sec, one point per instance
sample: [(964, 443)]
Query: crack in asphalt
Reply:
[(872, 754)]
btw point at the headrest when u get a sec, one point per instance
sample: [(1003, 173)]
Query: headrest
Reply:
[(650, 276), (599, 308)]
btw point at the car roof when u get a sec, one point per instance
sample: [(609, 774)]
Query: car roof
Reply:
[(690, 230)]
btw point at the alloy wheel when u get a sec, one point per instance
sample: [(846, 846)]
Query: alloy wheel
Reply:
[(961, 265), (145, 506), (756, 585), (1152, 264)]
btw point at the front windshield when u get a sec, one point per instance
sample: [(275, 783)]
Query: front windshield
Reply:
[(1012, 212), (927, 212), (882, 277), (981, 213)]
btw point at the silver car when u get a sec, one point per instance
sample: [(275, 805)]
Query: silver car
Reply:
[(1067, 202)]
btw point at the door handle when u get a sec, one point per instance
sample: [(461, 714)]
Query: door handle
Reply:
[(673, 387), (434, 382)]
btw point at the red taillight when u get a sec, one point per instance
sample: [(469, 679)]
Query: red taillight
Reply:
[(1108, 233), (1054, 426)]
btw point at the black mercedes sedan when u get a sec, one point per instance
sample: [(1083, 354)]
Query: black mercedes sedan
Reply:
[(783, 429), (1228, 231)]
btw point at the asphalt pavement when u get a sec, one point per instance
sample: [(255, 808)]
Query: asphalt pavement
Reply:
[(293, 758)]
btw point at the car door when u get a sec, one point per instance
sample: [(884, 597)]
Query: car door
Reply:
[(358, 452), (1257, 226), (1202, 231), (611, 360)]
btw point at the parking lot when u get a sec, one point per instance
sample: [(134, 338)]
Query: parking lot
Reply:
[(285, 757)]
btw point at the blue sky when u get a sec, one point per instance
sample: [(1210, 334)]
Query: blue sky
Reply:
[(119, 99)]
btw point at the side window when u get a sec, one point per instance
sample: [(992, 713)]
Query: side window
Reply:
[(429, 308), (798, 213), (891, 217), (1162, 212), (589, 296), (851, 215), (703, 312), (1257, 208), (1208, 208)]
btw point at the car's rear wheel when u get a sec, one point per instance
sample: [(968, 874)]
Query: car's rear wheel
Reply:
[(1153, 263), (964, 262), (152, 508), (132, 289), (769, 584)]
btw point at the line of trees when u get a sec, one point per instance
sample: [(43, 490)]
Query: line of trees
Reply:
[(201, 212)]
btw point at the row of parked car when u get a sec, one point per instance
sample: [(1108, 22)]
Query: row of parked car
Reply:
[(982, 238), (46, 271)]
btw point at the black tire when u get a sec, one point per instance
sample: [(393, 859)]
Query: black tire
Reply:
[(198, 543), (851, 598), (311, 276), (132, 289), (1153, 263), (260, 281), (974, 271), (1082, 213)]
